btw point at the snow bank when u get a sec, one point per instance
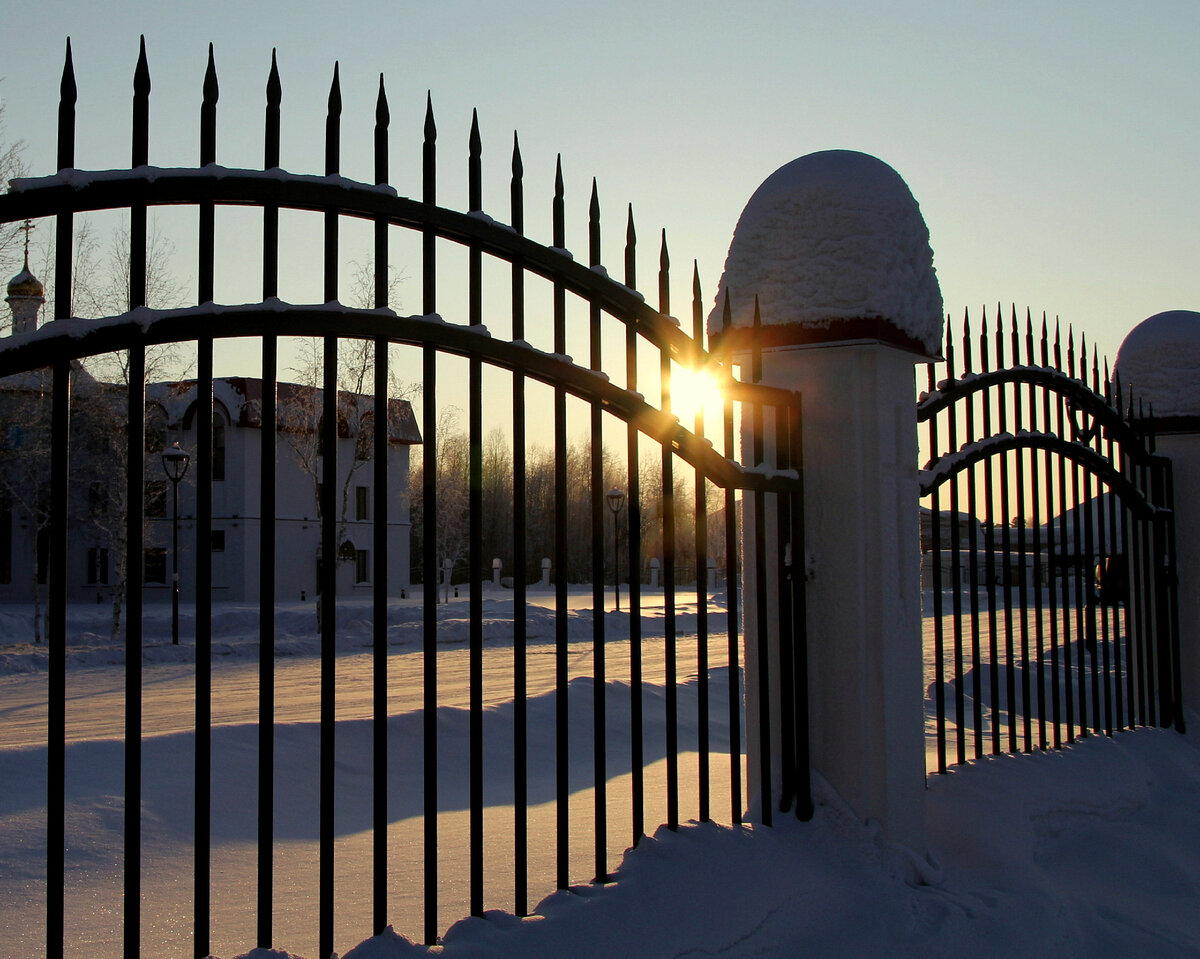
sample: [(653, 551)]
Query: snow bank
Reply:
[(833, 236), (1159, 360), (1090, 852)]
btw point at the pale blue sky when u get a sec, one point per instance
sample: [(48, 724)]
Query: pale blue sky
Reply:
[(1052, 146)]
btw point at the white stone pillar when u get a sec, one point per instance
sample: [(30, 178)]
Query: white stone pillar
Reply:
[(1159, 364), (833, 249), (866, 689)]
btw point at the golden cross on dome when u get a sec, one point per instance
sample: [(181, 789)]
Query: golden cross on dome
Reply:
[(28, 227)]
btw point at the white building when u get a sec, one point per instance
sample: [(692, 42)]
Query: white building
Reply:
[(98, 486)]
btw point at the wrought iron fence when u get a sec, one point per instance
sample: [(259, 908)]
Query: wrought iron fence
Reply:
[(1048, 547), (613, 410)]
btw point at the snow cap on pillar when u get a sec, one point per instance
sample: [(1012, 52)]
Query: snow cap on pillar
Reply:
[(1159, 362), (835, 248)]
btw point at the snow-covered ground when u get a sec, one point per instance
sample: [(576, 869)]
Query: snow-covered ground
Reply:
[(1094, 851)]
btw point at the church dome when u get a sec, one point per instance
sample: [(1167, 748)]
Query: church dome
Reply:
[(25, 284)]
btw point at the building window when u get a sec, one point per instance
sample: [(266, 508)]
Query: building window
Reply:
[(362, 566), (217, 541), (156, 565), (156, 499), (362, 502), (97, 566), (218, 448)]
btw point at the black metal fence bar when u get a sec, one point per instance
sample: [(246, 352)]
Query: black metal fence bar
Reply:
[(700, 515), (732, 579), (598, 508), (520, 564), (787, 705), (634, 504), (56, 720), (668, 541), (381, 420), (562, 790), (266, 543), (475, 531)]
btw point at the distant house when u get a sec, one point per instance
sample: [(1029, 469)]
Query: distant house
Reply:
[(98, 484)]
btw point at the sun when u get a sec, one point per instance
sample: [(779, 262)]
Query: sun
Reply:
[(694, 391)]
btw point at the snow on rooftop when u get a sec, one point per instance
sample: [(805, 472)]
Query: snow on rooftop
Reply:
[(833, 236), (1159, 360)]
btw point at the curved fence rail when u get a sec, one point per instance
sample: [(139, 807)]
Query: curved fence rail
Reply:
[(1048, 549), (633, 659)]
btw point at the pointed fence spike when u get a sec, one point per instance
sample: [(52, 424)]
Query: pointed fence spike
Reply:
[(430, 126), (474, 165), (141, 74), (141, 109), (475, 142), (383, 116), (212, 90), (68, 93), (335, 93), (67, 89), (274, 88), (383, 119), (271, 135), (558, 207), (664, 278), (983, 341), (517, 187), (333, 128), (594, 226), (630, 251), (967, 353), (208, 112)]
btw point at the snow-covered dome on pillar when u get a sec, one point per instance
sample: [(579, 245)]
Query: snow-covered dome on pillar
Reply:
[(1160, 362), (834, 246)]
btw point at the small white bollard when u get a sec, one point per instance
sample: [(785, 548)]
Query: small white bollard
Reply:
[(546, 572), (496, 567), (655, 565)]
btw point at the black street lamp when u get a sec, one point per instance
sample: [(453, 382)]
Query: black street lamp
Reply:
[(616, 500), (175, 464)]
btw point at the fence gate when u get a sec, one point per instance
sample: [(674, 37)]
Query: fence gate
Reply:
[(668, 666), (1048, 549)]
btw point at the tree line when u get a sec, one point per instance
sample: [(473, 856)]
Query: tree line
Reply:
[(452, 483)]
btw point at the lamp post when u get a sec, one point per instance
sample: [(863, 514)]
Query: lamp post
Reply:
[(616, 500), (175, 464)]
